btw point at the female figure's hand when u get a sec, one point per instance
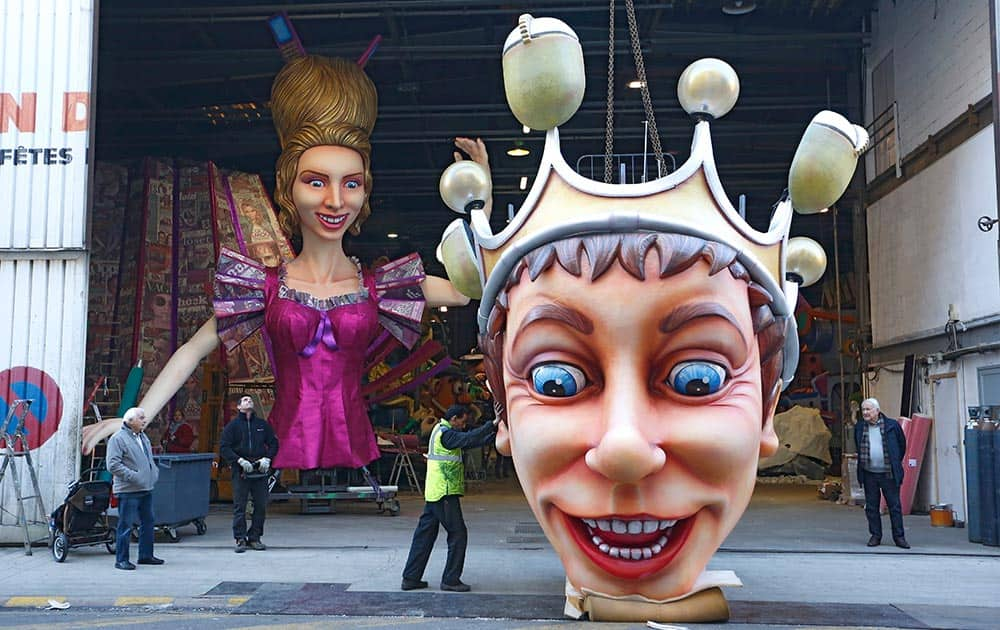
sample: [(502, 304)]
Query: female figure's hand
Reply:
[(476, 150), (94, 434)]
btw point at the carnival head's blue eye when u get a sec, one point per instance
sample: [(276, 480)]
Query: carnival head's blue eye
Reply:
[(559, 380), (696, 378)]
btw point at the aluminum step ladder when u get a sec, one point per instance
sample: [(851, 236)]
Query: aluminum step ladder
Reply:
[(15, 445)]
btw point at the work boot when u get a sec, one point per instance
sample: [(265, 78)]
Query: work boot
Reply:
[(412, 585), (256, 545), (874, 541), (150, 560), (901, 543), (458, 587), (241, 546)]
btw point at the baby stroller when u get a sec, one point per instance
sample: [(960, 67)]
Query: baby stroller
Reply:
[(82, 519)]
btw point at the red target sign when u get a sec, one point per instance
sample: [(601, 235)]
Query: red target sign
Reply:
[(43, 417)]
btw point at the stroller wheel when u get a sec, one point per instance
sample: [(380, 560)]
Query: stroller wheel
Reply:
[(200, 527), (110, 546), (60, 547)]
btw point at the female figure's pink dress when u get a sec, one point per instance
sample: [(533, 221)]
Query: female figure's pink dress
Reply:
[(319, 349)]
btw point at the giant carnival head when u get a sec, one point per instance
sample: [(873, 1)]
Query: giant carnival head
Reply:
[(637, 337), (320, 102)]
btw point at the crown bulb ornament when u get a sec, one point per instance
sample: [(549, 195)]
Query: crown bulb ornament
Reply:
[(824, 162), (805, 261), (543, 74), (464, 186), (708, 87)]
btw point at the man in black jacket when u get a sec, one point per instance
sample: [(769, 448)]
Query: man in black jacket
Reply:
[(881, 447), (249, 444)]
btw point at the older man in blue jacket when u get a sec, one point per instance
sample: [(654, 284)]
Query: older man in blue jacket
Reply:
[(881, 447)]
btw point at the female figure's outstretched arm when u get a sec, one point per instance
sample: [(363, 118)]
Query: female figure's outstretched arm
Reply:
[(175, 373)]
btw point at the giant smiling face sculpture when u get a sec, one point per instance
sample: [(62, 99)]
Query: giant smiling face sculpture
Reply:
[(634, 405), (636, 338)]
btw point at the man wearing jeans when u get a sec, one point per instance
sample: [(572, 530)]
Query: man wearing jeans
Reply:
[(881, 447), (130, 461), (443, 490)]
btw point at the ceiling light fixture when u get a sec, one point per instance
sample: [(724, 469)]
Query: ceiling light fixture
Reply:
[(518, 150), (738, 7)]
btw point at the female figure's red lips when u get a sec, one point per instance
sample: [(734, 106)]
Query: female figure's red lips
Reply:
[(629, 547), (331, 222)]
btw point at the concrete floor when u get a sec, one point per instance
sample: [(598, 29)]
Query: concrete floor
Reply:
[(803, 562)]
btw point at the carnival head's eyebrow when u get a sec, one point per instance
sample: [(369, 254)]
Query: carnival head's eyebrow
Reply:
[(687, 312), (563, 314)]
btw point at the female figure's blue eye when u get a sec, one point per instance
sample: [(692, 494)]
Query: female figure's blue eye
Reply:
[(696, 378), (352, 184), (559, 380), (316, 183)]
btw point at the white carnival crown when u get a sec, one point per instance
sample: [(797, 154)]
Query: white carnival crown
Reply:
[(690, 200)]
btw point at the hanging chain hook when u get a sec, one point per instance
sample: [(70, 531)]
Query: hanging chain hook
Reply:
[(647, 103), (609, 130)]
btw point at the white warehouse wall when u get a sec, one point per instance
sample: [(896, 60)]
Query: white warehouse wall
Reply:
[(925, 250), (941, 59)]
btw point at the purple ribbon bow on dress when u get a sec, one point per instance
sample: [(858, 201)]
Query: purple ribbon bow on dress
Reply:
[(324, 333)]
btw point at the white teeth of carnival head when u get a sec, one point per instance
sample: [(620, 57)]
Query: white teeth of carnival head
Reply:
[(630, 526), (621, 527), (630, 553)]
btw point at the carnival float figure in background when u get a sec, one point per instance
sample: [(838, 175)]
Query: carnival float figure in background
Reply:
[(322, 312), (637, 337)]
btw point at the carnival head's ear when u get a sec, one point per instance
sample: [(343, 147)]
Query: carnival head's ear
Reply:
[(320, 101)]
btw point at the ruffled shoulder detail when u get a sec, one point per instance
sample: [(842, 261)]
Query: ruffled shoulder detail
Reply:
[(239, 297), (399, 297)]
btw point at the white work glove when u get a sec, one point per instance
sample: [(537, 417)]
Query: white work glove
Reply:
[(264, 464), (245, 465)]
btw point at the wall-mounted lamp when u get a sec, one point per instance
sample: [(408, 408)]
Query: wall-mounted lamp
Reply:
[(524, 183), (392, 235), (526, 129), (636, 84)]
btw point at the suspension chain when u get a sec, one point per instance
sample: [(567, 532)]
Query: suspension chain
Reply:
[(647, 104), (609, 130)]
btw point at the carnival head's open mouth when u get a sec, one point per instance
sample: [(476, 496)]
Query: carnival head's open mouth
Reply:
[(630, 547)]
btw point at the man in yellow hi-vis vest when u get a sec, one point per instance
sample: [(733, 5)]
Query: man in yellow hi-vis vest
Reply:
[(445, 485)]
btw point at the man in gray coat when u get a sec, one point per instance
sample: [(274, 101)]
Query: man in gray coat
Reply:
[(130, 461)]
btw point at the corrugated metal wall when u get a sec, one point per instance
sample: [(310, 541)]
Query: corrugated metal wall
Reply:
[(45, 86)]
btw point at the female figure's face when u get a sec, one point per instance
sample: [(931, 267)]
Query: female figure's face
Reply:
[(328, 191), (634, 420)]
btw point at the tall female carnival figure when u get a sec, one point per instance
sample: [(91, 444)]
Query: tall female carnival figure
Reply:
[(636, 339), (322, 312)]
